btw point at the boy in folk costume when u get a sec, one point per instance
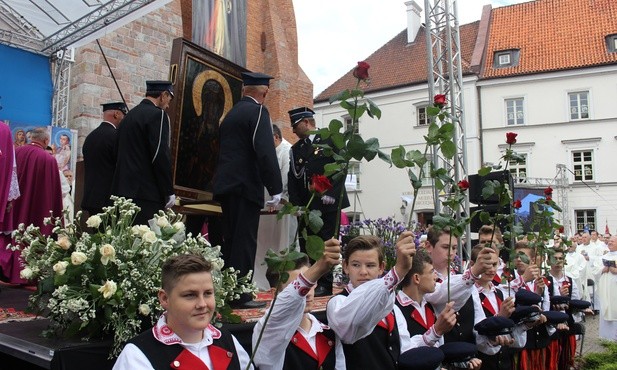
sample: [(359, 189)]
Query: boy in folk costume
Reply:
[(425, 326), (561, 290), (371, 329), (294, 339), (527, 276), (495, 302), (183, 338)]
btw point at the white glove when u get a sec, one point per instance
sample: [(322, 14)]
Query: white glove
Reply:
[(326, 199), (171, 201), (276, 199)]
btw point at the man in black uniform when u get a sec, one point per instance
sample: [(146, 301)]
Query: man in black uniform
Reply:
[(100, 159), (247, 162), (143, 167), (308, 160)]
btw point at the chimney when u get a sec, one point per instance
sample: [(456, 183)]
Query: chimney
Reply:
[(414, 21)]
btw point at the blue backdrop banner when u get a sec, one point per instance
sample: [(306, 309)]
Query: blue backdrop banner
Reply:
[(25, 88)]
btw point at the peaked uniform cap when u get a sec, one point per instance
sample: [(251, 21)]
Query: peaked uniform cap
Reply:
[(494, 326), (578, 304), (458, 351), (298, 114), (421, 358), (256, 79), (555, 317), (525, 313), (526, 298), (159, 86), (115, 106)]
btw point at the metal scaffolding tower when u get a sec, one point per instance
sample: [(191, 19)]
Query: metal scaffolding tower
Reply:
[(62, 82), (446, 77), (562, 196)]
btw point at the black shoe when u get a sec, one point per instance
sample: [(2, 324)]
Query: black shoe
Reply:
[(322, 291), (248, 304)]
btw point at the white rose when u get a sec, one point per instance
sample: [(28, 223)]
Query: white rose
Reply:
[(108, 253), (77, 258), (140, 230), (60, 267), (26, 273), (63, 242), (179, 226), (108, 289), (149, 236), (94, 221), (144, 309), (162, 222)]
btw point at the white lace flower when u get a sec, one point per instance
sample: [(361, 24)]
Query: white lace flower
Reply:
[(162, 222), (179, 226)]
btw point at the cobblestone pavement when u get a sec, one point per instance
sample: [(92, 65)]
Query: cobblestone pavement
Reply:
[(592, 342)]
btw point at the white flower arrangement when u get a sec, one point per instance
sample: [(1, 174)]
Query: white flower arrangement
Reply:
[(106, 282)]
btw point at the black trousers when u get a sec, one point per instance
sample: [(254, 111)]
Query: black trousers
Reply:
[(240, 224)]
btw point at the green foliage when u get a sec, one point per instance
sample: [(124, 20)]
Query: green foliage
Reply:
[(602, 361)]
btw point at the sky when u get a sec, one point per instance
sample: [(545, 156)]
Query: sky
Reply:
[(333, 35)]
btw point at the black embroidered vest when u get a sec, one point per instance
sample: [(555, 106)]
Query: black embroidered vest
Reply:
[(297, 359)]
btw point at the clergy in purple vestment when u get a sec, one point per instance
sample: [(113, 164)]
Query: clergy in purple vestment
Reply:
[(41, 193)]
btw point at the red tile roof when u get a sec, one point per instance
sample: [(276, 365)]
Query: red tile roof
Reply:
[(398, 63), (551, 35)]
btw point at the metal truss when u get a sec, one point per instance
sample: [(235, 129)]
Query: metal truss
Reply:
[(562, 196), (22, 34), (446, 77), (62, 70), (91, 23)]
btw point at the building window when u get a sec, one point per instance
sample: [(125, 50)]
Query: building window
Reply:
[(423, 118), (352, 182), (505, 58), (518, 170), (514, 112), (427, 180), (349, 123), (583, 165), (579, 105), (585, 219), (611, 43)]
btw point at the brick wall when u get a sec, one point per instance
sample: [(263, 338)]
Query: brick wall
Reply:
[(141, 50)]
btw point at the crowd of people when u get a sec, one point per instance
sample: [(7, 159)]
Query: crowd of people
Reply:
[(421, 314)]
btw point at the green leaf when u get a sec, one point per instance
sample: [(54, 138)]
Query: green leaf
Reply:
[(343, 95), (488, 190), (484, 171), (374, 109), (412, 176), (398, 157), (448, 149), (432, 111), (335, 126), (433, 133), (331, 168), (314, 247), (315, 222), (356, 147), (324, 133), (347, 105), (371, 147), (446, 130), (355, 115)]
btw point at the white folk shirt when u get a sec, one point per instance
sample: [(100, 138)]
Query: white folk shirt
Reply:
[(132, 358), (284, 320), (430, 338), (355, 316), (460, 290)]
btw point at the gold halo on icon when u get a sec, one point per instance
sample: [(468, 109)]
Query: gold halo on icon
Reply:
[(198, 85)]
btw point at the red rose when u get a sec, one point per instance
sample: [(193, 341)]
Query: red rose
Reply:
[(361, 71), (548, 199), (517, 204), (440, 100), (548, 191), (561, 229), (463, 185), (321, 183), (511, 138)]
